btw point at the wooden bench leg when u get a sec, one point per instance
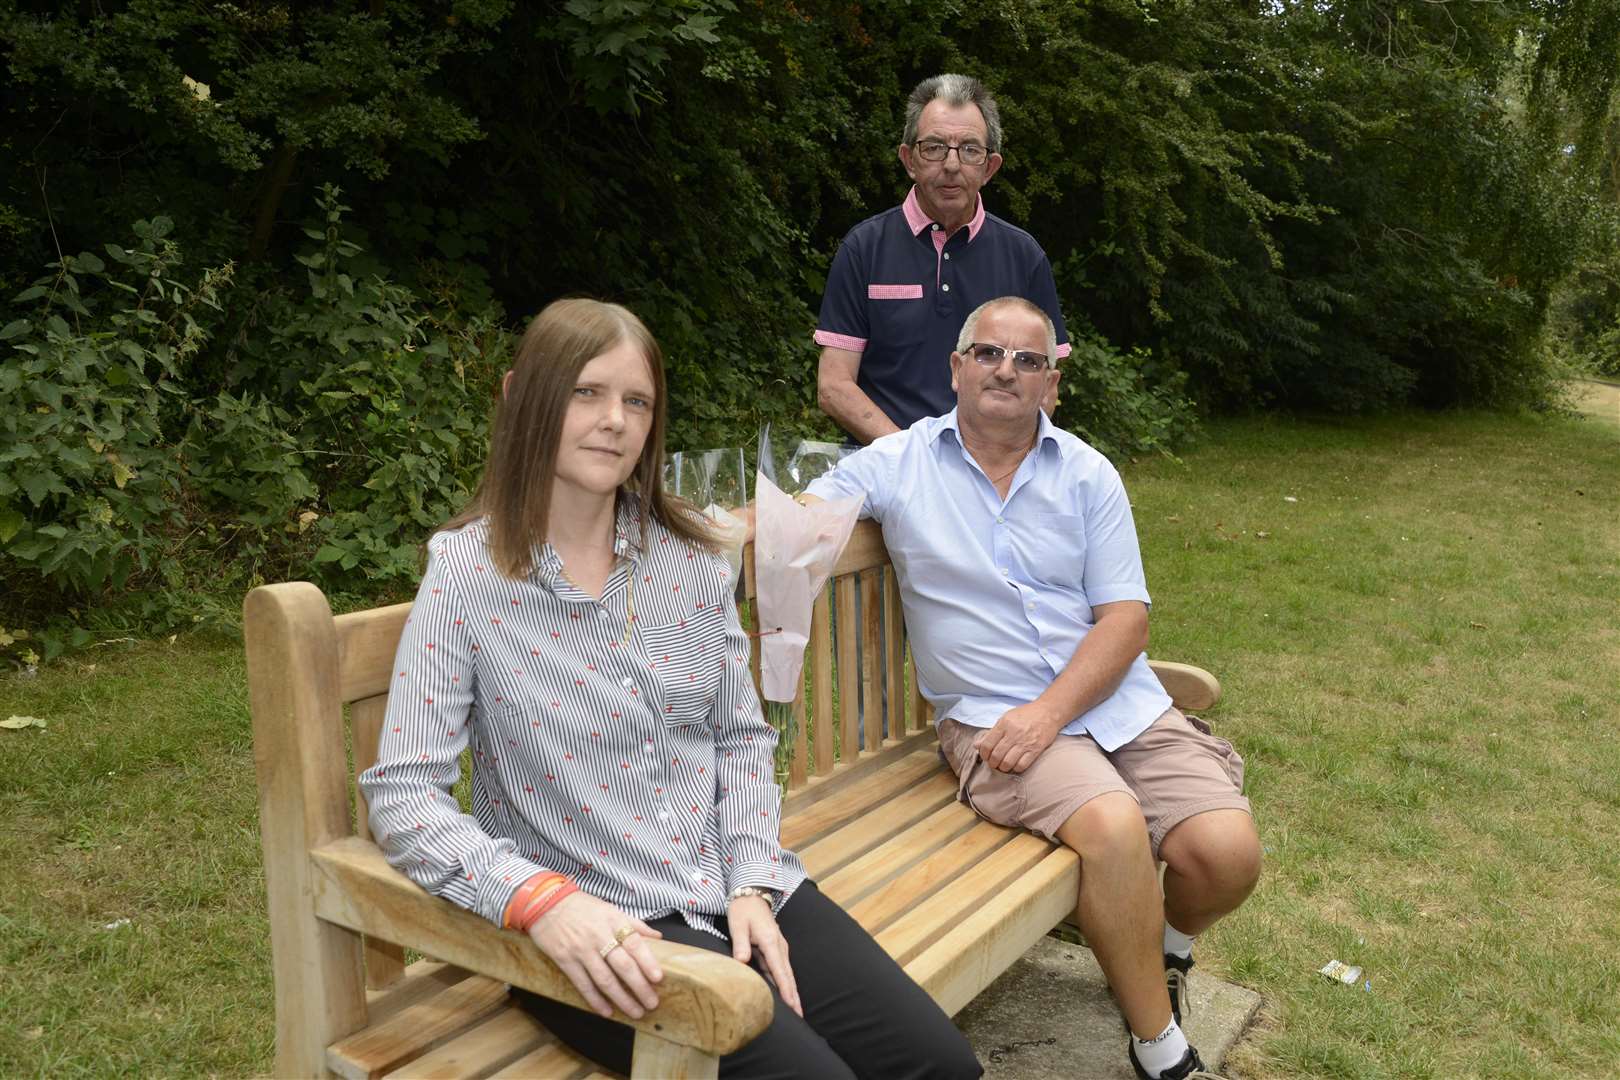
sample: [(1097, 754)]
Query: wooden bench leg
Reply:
[(659, 1059)]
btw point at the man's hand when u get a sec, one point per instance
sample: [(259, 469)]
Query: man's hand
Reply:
[(1019, 737)]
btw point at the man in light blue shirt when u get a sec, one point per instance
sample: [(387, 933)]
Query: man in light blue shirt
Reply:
[(1027, 608)]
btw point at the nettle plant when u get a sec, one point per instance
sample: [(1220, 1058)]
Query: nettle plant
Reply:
[(92, 405), (387, 398)]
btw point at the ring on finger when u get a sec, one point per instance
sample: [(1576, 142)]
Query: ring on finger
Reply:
[(609, 947), (623, 932)]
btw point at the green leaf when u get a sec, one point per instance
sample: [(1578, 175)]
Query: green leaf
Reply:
[(329, 553), (29, 550), (40, 484), (11, 521), (14, 329)]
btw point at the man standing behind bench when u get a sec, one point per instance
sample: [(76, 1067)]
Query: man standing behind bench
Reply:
[(1024, 594), (902, 281)]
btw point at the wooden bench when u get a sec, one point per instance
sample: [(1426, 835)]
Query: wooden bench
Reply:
[(954, 899)]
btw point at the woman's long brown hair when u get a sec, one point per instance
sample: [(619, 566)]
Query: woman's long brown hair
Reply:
[(515, 492)]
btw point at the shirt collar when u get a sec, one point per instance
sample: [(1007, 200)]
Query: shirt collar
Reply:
[(1045, 430), (917, 218), (627, 536), (628, 527)]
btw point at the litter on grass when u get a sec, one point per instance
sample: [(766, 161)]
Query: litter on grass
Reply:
[(1349, 974)]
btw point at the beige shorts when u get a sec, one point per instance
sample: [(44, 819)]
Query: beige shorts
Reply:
[(1174, 770)]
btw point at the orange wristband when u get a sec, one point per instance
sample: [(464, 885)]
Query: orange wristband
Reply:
[(538, 897), (525, 893), (536, 911)]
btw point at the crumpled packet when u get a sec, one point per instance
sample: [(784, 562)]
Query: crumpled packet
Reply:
[(795, 550), (1348, 974)]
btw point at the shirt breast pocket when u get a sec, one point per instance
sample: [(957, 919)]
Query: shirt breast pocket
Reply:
[(688, 657), (898, 314), (1052, 549)]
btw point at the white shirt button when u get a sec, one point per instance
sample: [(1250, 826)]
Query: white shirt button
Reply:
[(935, 227), (1001, 521), (647, 747), (663, 815), (1005, 571), (603, 612), (626, 682), (947, 255), (945, 287)]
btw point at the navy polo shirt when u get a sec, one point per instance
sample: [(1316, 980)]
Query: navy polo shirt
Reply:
[(899, 290)]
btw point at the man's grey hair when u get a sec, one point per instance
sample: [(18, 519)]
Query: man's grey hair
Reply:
[(970, 327), (954, 90)]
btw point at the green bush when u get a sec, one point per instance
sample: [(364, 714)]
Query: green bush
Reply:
[(93, 404), (381, 405), (345, 419), (1118, 402)]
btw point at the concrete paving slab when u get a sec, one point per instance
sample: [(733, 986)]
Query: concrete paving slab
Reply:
[(1050, 1015)]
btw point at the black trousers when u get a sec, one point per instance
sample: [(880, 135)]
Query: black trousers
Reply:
[(863, 1016)]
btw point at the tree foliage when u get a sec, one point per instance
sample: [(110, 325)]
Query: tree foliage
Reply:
[(1340, 204)]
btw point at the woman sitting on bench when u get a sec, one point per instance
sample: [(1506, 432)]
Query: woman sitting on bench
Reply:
[(576, 630)]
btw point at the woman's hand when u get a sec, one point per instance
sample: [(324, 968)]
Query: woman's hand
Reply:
[(575, 933), (753, 927)]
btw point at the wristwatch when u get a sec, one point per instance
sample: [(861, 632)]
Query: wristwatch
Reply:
[(767, 895)]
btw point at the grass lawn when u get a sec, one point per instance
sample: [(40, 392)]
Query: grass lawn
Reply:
[(1417, 622)]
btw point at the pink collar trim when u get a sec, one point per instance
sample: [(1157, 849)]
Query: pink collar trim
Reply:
[(917, 218)]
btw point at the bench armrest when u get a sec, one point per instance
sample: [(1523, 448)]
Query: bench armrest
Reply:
[(1191, 688), (707, 1000)]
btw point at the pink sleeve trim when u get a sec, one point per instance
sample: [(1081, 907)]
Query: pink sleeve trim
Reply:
[(840, 341)]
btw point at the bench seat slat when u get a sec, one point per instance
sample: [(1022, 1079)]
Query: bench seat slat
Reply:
[(479, 1050), (877, 825), (900, 853), (881, 907), (553, 1061), (422, 980), (845, 773), (930, 920), (415, 1029), (987, 941), (803, 826)]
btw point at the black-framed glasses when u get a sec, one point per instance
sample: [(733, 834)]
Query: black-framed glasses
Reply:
[(936, 151), (1025, 360)]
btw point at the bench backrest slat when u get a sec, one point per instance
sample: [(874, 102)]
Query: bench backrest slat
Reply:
[(385, 962)]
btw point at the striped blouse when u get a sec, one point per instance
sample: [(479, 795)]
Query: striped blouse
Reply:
[(618, 740)]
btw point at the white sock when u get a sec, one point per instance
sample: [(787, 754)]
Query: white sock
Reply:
[(1176, 942), (1162, 1052)]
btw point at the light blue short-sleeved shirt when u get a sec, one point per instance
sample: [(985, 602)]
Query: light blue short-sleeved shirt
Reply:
[(999, 594)]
